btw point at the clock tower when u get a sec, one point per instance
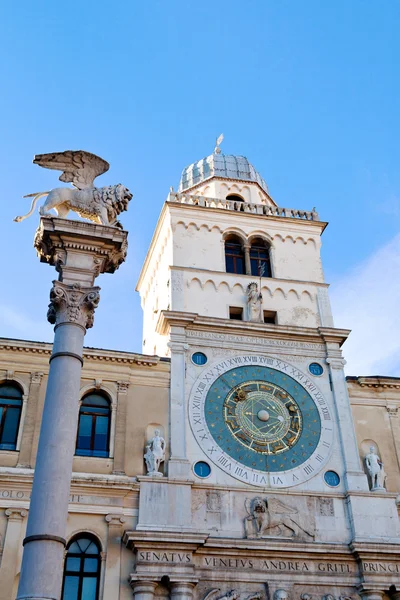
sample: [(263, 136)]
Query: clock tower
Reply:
[(233, 292)]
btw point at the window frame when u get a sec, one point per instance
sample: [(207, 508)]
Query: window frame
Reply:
[(259, 244), (234, 241), (81, 573), (6, 406), (92, 451)]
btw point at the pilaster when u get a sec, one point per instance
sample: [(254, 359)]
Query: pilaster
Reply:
[(120, 428), (25, 452), (355, 478), (178, 465), (10, 562), (112, 578)]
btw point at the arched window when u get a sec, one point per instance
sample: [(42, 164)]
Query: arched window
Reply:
[(259, 258), (235, 197), (234, 256), (93, 437), (10, 415), (82, 569)]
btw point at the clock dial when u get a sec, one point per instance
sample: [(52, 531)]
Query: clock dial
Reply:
[(262, 416), (266, 425)]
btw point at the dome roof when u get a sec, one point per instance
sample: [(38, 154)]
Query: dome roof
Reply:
[(226, 166)]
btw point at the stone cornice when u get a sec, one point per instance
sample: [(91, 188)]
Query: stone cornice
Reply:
[(375, 381), (208, 272), (90, 354), (319, 225), (193, 321)]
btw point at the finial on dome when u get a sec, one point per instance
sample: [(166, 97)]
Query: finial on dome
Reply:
[(220, 139)]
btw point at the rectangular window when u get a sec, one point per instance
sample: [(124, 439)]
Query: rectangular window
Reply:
[(236, 312), (270, 316)]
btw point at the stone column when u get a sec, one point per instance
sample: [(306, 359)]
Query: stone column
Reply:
[(120, 428), (12, 541), (246, 248), (369, 593), (25, 452), (112, 579), (182, 590), (143, 590), (355, 476), (178, 465), (80, 252)]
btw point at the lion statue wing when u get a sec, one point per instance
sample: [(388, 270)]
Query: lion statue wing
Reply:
[(78, 166), (275, 506), (248, 507)]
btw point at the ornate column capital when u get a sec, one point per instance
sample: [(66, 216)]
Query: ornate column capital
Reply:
[(392, 409), (115, 519), (16, 514), (178, 347), (36, 378), (123, 387), (73, 304), (336, 363)]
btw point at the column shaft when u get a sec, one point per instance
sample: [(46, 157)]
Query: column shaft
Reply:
[(182, 590), (247, 262), (41, 573), (112, 579)]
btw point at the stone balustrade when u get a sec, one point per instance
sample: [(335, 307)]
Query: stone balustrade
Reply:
[(247, 207)]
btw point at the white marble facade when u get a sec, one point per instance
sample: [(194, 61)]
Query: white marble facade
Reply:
[(224, 530)]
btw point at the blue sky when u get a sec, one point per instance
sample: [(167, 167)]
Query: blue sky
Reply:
[(308, 91)]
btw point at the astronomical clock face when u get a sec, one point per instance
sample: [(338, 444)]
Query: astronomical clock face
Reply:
[(261, 420)]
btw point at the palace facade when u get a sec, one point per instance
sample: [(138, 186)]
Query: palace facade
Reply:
[(232, 459)]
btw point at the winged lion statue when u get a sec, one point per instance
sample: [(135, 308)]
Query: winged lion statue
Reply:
[(101, 205), (272, 516)]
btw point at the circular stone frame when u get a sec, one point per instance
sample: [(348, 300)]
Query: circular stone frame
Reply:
[(194, 469), (203, 354), (282, 479)]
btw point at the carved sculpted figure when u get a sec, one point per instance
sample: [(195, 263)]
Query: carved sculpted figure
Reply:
[(155, 454), (254, 304), (231, 595), (375, 469), (270, 514), (101, 205), (281, 595)]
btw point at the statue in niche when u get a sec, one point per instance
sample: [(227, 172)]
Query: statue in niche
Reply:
[(254, 304), (281, 595), (155, 454), (273, 518), (376, 470)]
